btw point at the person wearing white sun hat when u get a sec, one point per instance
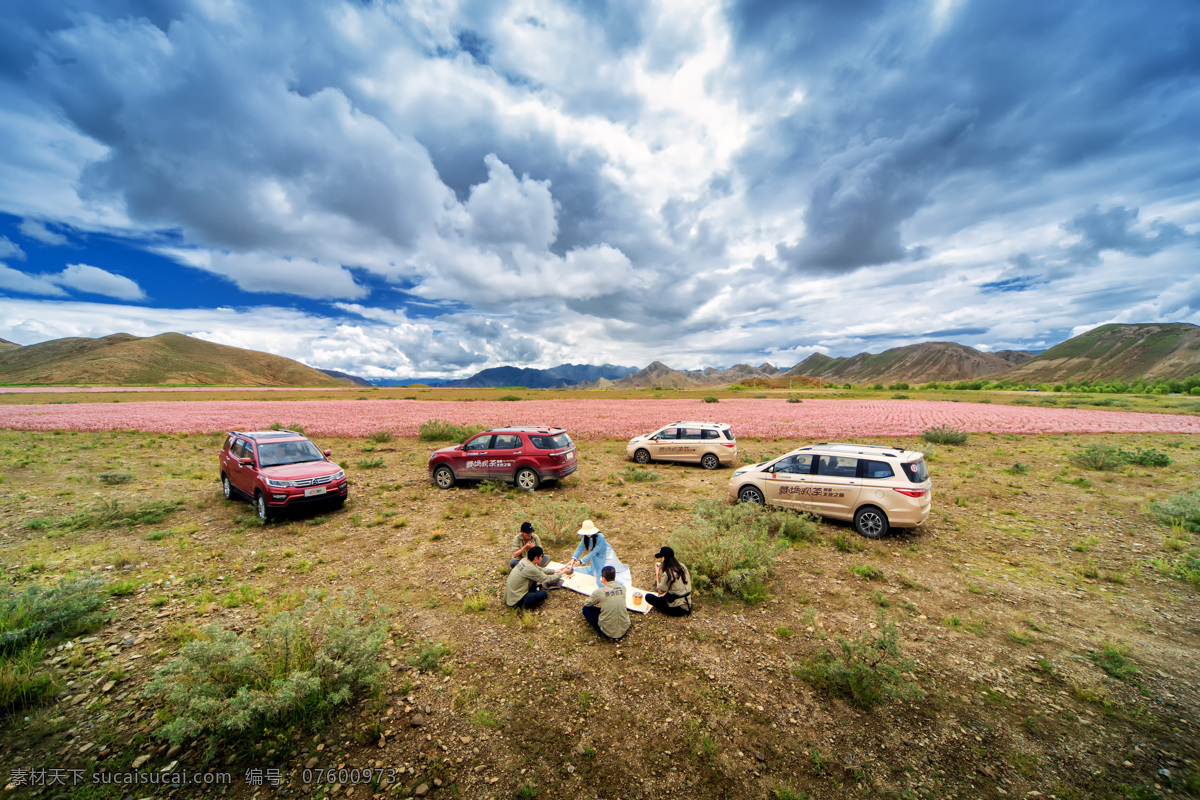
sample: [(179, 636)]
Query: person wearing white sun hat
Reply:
[(594, 554)]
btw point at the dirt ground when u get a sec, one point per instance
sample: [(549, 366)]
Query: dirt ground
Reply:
[(1001, 599)]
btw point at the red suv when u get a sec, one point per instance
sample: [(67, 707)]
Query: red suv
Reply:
[(524, 456), (279, 469)]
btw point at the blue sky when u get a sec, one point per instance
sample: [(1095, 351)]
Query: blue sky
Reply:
[(399, 189)]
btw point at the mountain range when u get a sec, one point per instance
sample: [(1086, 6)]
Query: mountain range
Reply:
[(1107, 353)]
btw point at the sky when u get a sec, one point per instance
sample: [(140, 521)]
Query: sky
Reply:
[(398, 189)]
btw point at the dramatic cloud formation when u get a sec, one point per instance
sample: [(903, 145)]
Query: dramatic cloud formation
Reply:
[(396, 189)]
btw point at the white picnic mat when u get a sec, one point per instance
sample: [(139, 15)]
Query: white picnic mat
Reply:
[(585, 584)]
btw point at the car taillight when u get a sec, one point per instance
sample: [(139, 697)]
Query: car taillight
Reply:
[(730, 444), (911, 492)]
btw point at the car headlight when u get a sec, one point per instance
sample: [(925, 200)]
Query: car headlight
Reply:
[(279, 484), (341, 473)]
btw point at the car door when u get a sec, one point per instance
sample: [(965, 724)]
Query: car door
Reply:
[(476, 454), (662, 444), (241, 475), (789, 482), (689, 444), (836, 486), (502, 456)]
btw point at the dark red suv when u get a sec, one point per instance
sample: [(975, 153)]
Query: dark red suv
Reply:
[(524, 456), (280, 469)]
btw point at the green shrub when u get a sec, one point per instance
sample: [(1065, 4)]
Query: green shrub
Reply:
[(509, 398), (638, 475), (556, 521), (429, 657), (795, 400), (944, 434), (1100, 457), (1182, 510), (109, 514), (712, 399), (381, 437), (866, 671), (436, 430), (33, 619), (1149, 458), (279, 426), (1112, 660), (297, 669), (370, 463), (867, 572), (730, 549), (1017, 469), (114, 478)]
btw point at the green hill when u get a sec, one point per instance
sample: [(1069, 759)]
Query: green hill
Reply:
[(170, 358), (1117, 352)]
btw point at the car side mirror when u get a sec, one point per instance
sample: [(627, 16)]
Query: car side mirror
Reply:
[(245, 462), (328, 453)]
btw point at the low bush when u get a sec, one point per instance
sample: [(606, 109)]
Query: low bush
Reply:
[(1017, 469), (556, 522), (33, 619), (1149, 458), (795, 400), (228, 689), (638, 475), (712, 399), (429, 658), (944, 434), (114, 478), (1179, 510), (510, 398), (1099, 457), (866, 671), (1112, 660), (731, 549), (109, 514), (370, 463), (437, 430), (381, 437)]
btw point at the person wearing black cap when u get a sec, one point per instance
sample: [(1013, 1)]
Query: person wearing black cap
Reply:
[(673, 584), (523, 542), (524, 587)]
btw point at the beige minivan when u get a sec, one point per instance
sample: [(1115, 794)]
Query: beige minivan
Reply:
[(709, 444), (874, 487)]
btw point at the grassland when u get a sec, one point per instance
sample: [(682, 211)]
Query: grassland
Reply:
[(1044, 615)]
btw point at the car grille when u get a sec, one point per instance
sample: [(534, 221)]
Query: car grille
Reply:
[(300, 484)]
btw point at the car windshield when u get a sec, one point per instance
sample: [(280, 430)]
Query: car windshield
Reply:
[(551, 442), (276, 453)]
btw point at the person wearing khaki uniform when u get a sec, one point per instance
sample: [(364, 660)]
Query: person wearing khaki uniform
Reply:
[(522, 543), (605, 609), (673, 584), (523, 589)]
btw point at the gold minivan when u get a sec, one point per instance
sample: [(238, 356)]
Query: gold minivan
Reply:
[(874, 487), (709, 444)]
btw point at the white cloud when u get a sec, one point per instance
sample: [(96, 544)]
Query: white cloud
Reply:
[(16, 281), (262, 272), (37, 230), (85, 278), (10, 249)]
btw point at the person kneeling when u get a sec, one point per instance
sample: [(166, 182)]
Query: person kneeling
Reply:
[(605, 609), (673, 584), (524, 586)]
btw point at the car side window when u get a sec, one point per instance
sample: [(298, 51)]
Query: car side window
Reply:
[(668, 433), (709, 433), (479, 443), (837, 466), (877, 469), (507, 441), (794, 465), (691, 433), (239, 449)]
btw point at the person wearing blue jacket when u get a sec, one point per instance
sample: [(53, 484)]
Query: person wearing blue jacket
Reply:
[(594, 554)]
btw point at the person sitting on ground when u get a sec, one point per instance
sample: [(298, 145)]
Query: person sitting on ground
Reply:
[(523, 542), (594, 553), (673, 584), (528, 583), (605, 609)]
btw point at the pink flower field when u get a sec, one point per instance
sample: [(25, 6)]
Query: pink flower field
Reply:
[(592, 419)]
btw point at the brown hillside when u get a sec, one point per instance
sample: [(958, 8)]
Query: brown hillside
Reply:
[(917, 363), (170, 358), (1117, 352)]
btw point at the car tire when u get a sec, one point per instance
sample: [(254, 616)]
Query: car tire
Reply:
[(443, 476), (261, 508), (526, 479), (751, 494), (870, 522), (226, 487), (710, 461), (642, 456)]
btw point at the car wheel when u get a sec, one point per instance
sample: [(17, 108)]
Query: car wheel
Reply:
[(261, 507), (443, 476), (642, 456), (751, 494), (527, 479), (710, 461), (870, 522), (226, 487)]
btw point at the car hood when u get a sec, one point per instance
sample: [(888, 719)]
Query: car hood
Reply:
[(445, 451), (748, 468), (307, 469)]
